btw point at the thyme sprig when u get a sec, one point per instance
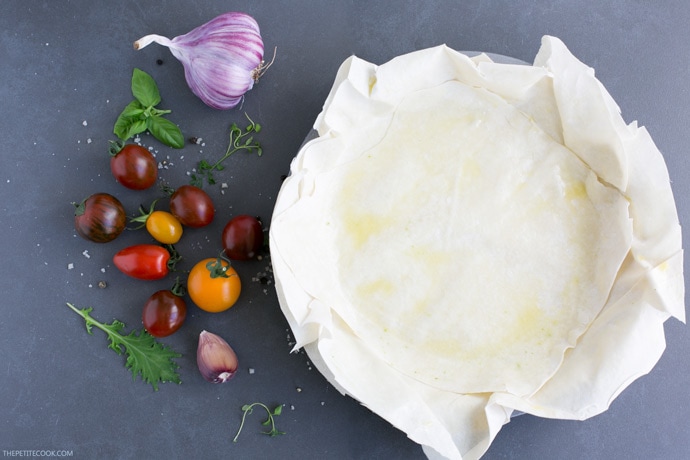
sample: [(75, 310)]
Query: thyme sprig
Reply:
[(240, 139), (248, 408)]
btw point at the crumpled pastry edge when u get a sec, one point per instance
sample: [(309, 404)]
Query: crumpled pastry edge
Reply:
[(649, 292)]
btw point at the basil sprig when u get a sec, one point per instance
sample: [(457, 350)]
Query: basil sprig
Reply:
[(141, 114)]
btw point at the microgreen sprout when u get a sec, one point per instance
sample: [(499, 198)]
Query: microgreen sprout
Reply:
[(239, 140), (248, 408)]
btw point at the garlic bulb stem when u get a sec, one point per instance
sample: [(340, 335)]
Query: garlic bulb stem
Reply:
[(143, 42)]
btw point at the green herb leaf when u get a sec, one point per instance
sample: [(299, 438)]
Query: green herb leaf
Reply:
[(133, 110), (165, 131), (141, 114), (128, 127), (145, 89), (137, 127), (146, 357), (131, 113)]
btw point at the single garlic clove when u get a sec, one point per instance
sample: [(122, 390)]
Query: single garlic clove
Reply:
[(217, 362)]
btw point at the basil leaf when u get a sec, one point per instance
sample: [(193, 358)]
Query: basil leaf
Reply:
[(122, 127), (137, 126), (126, 119), (165, 131), (133, 109), (131, 114), (144, 88)]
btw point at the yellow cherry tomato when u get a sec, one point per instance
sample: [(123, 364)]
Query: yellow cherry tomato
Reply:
[(164, 227), (213, 285)]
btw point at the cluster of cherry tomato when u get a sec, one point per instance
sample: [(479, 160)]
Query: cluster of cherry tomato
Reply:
[(212, 284)]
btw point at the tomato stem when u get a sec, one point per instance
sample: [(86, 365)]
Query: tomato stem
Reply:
[(175, 257), (144, 214), (178, 288), (218, 269), (167, 190), (115, 147), (79, 208)]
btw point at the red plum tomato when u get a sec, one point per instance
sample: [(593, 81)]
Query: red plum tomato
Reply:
[(192, 206), (134, 167), (164, 313), (143, 261), (100, 218), (242, 237)]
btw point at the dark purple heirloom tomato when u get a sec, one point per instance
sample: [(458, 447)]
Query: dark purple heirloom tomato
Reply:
[(243, 237), (192, 206), (164, 313), (100, 218), (134, 167)]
